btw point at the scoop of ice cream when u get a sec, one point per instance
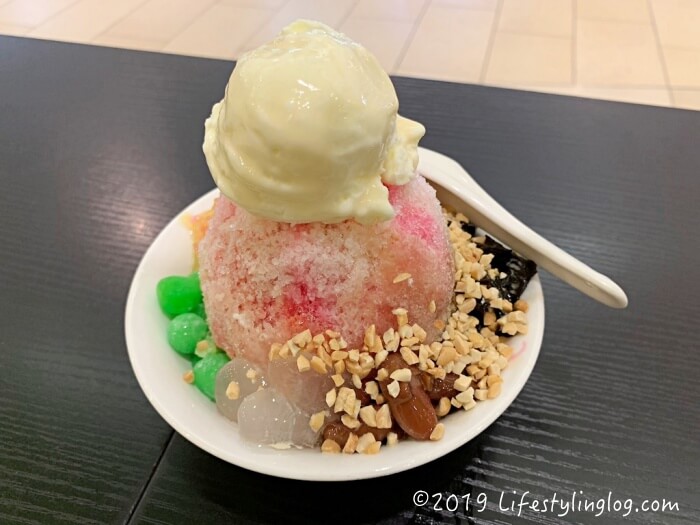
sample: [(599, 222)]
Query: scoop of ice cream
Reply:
[(308, 131)]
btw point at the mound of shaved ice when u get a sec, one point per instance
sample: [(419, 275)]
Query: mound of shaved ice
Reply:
[(265, 281)]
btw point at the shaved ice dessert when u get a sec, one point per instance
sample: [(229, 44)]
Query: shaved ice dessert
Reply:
[(336, 302), (264, 281)]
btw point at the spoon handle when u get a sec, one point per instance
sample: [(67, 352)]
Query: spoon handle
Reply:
[(464, 194)]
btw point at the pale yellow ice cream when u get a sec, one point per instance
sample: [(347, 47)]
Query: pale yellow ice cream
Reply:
[(308, 130)]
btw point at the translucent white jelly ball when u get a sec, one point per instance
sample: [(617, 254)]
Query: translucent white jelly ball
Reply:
[(307, 390), (235, 372), (266, 417)]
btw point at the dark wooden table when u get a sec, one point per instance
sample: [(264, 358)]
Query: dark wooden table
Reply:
[(99, 148)]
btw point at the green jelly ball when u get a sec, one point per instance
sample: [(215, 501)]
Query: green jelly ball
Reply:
[(178, 295), (185, 331), (205, 371)]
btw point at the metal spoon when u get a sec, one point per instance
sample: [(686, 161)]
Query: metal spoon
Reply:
[(456, 188)]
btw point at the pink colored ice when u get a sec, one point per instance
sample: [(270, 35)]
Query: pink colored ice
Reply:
[(264, 281)]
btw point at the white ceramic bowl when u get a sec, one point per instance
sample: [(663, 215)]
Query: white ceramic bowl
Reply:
[(159, 371)]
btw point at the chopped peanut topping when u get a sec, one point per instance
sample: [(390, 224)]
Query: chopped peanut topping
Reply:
[(401, 316), (233, 390), (354, 368), (366, 361), (293, 347), (443, 407), (369, 415), (330, 447), (380, 357), (331, 396), (372, 389), (345, 401), (462, 383), (316, 421), (274, 351), (409, 356), (388, 336), (447, 355), (402, 277), (350, 422), (373, 448), (324, 356), (340, 397), (188, 377), (439, 373), (419, 333), (302, 338), (505, 350), (403, 375), (351, 444), (469, 405), (394, 388), (384, 417), (437, 432), (369, 335), (492, 380), (465, 397), (521, 305), (461, 345), (406, 331), (318, 365), (365, 441), (339, 355), (303, 364), (356, 408), (494, 391)]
